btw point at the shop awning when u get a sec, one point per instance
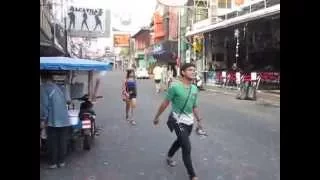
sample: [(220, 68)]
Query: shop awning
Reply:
[(65, 63), (238, 20), (165, 51)]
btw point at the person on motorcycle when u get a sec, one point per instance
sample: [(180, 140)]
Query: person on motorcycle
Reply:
[(87, 107), (54, 113)]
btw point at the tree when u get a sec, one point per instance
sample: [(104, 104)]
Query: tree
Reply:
[(124, 52)]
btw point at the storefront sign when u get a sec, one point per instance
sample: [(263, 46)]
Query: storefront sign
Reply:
[(121, 40)]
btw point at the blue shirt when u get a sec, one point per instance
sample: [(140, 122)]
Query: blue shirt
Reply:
[(132, 86), (53, 105)]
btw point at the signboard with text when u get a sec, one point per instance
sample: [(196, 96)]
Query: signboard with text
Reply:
[(88, 22), (121, 40)]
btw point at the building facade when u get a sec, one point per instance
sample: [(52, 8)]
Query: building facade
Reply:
[(142, 43), (165, 35), (53, 36)]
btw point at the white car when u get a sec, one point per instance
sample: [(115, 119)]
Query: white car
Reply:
[(142, 73)]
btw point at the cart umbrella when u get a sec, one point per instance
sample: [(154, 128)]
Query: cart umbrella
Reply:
[(73, 64)]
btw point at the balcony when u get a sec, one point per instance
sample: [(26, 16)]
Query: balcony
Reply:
[(250, 8)]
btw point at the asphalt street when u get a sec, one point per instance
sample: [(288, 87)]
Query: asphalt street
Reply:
[(243, 141)]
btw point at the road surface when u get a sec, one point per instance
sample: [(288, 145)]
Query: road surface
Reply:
[(243, 141)]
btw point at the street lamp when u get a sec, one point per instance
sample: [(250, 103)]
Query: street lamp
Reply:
[(236, 35)]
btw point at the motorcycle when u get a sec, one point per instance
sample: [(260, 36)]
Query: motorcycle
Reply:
[(86, 127), (198, 82)]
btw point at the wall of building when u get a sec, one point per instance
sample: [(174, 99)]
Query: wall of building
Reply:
[(142, 40)]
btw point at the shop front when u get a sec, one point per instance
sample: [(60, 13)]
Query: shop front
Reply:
[(244, 44)]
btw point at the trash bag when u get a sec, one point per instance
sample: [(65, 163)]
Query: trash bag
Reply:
[(252, 93)]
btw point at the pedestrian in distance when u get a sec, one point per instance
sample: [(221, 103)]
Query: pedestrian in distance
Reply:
[(129, 95), (183, 96), (157, 72), (54, 113)]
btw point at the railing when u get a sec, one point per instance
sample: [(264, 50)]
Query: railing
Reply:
[(229, 79)]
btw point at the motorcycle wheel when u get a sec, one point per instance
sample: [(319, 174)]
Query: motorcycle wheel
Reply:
[(93, 130), (87, 142)]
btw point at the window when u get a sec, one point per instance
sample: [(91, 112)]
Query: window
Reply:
[(224, 4)]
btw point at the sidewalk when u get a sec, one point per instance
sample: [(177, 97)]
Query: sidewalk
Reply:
[(263, 97)]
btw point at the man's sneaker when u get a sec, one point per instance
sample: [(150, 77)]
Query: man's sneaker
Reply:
[(54, 166), (171, 162), (133, 122), (62, 165)]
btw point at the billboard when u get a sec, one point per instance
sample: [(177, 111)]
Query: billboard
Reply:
[(88, 22), (121, 40)]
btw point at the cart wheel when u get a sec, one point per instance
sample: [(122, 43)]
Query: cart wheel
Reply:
[(87, 142)]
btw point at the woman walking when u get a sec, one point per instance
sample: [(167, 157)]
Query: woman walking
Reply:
[(129, 92)]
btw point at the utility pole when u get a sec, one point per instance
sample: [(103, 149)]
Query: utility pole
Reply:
[(66, 37), (179, 42)]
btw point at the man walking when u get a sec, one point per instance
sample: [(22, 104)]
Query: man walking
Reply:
[(184, 98), (54, 113), (157, 72)]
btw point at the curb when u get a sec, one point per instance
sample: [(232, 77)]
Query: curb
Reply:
[(259, 101)]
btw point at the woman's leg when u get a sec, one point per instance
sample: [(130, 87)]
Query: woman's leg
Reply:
[(127, 108), (133, 105)]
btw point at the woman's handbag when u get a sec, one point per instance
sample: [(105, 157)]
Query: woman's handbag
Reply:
[(125, 94)]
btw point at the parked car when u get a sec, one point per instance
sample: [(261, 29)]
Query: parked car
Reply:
[(142, 73)]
